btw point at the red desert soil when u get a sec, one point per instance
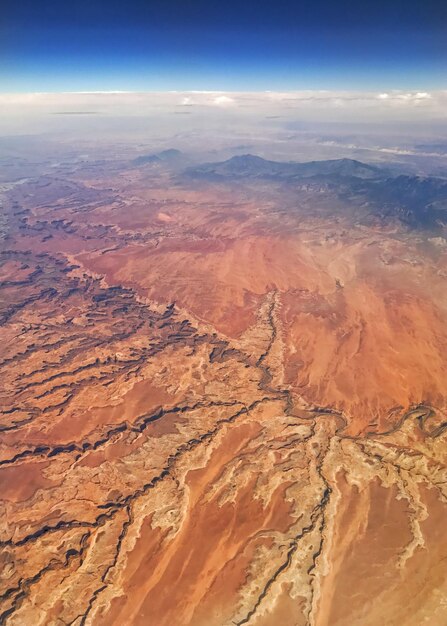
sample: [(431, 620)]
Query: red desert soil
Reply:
[(217, 412)]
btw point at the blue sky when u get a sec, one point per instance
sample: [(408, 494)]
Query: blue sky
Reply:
[(251, 45)]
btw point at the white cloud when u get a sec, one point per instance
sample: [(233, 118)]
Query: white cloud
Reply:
[(187, 101), (223, 101)]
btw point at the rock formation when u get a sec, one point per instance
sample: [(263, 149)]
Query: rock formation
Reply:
[(222, 403)]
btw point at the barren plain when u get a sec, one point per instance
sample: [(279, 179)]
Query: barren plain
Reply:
[(223, 403)]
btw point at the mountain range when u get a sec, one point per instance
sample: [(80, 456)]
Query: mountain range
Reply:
[(251, 166), (414, 200)]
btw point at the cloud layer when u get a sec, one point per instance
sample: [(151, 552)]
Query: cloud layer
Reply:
[(307, 105)]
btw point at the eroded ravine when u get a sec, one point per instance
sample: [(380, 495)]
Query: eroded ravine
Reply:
[(157, 471)]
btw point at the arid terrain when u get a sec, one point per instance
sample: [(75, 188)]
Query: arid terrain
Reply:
[(223, 394)]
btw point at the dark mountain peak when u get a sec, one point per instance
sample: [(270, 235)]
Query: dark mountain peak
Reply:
[(246, 158), (352, 161), (145, 159), (349, 167), (247, 165), (171, 155)]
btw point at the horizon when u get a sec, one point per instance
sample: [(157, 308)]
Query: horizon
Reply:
[(426, 110)]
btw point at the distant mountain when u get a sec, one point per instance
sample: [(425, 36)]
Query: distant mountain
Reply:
[(145, 159), (415, 200), (251, 166), (170, 156), (418, 202)]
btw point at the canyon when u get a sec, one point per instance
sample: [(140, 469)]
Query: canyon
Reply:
[(223, 395)]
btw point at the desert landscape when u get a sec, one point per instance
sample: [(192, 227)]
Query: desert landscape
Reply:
[(223, 389)]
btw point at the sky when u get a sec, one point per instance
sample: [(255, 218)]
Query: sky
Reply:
[(231, 45)]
